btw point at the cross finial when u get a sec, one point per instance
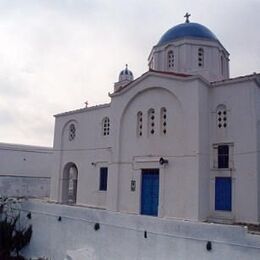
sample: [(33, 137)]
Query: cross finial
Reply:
[(187, 15)]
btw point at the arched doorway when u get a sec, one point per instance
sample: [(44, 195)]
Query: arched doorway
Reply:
[(69, 184)]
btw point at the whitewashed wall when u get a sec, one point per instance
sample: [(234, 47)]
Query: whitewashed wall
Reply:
[(179, 146), (188, 146), (25, 170), (88, 151), (239, 97), (120, 149), (186, 58), (121, 236)]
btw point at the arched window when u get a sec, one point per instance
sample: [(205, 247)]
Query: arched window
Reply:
[(221, 119), (151, 121), (106, 126), (139, 123), (201, 57), (163, 120), (170, 59), (72, 132)]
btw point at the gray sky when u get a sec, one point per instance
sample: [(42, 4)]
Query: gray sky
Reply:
[(56, 54)]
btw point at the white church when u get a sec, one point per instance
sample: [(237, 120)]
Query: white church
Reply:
[(180, 141)]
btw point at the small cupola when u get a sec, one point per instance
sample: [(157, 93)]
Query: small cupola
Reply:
[(126, 74), (125, 77)]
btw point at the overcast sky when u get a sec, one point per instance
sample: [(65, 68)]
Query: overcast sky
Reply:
[(56, 54)]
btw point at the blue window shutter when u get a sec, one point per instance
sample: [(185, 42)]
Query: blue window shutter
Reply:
[(223, 193), (103, 178), (150, 192)]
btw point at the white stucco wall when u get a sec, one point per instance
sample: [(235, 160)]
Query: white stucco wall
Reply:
[(187, 182), (122, 148), (121, 236), (89, 151), (179, 145), (25, 170), (257, 105), (203, 152), (241, 132), (215, 62)]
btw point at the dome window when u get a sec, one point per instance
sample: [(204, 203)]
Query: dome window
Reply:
[(170, 59), (106, 126), (201, 57), (139, 123)]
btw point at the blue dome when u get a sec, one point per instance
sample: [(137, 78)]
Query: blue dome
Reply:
[(126, 74), (190, 30)]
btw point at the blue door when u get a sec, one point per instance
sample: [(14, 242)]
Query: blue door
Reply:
[(150, 192), (223, 193)]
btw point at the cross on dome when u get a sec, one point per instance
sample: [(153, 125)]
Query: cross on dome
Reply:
[(187, 16)]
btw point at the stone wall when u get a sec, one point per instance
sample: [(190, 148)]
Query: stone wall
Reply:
[(25, 170), (20, 186)]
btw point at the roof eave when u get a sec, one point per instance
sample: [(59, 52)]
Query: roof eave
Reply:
[(82, 110), (254, 76), (177, 76)]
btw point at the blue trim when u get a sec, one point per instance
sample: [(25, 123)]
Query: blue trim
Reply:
[(103, 179), (150, 192), (223, 193)]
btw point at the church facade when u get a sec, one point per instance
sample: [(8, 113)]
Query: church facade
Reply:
[(180, 141)]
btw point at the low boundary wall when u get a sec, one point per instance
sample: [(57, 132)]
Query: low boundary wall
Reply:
[(70, 232)]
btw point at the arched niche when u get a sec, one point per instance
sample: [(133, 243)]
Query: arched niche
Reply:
[(69, 183)]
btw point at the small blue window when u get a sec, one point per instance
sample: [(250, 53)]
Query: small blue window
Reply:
[(103, 178)]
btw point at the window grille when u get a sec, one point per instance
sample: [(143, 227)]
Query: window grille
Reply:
[(72, 132), (139, 123), (106, 126), (163, 120), (222, 120), (201, 57), (151, 121), (170, 59), (223, 156)]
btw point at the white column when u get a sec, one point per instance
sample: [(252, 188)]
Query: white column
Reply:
[(112, 187), (161, 210)]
